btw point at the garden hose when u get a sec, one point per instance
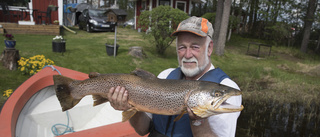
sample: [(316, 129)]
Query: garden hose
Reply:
[(69, 29)]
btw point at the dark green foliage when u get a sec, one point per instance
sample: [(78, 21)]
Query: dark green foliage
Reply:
[(278, 32), (162, 21), (209, 16)]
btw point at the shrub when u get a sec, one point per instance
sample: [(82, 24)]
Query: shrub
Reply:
[(162, 21), (210, 17)]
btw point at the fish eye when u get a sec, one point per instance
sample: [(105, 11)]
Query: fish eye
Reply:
[(217, 94)]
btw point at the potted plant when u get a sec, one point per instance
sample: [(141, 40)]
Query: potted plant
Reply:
[(53, 7), (9, 41), (71, 9), (56, 22), (58, 44), (110, 48)]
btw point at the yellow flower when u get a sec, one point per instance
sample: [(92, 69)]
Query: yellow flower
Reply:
[(33, 64), (7, 93)]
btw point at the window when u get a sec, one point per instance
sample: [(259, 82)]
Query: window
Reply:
[(143, 5), (181, 5), (164, 2)]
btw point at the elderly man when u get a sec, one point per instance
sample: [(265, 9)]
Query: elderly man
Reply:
[(194, 49)]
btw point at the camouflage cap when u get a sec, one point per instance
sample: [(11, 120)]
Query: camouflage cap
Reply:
[(196, 25)]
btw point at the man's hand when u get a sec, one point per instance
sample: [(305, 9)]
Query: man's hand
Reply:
[(118, 98)]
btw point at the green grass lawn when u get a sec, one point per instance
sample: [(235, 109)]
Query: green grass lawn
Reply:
[(287, 72)]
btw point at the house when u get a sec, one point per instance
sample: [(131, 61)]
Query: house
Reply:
[(34, 12), (28, 19), (142, 5)]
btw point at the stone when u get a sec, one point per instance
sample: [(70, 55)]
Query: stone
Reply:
[(137, 51), (9, 58)]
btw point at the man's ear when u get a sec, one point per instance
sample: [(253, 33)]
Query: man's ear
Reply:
[(210, 48)]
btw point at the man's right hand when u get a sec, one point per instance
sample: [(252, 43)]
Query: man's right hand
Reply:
[(118, 98)]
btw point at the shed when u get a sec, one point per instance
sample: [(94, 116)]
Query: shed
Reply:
[(117, 15)]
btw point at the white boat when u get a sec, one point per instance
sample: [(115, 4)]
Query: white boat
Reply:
[(33, 110)]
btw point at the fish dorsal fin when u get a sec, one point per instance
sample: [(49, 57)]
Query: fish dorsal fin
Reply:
[(93, 74), (126, 115), (143, 73)]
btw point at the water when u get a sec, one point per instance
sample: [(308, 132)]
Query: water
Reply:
[(274, 119)]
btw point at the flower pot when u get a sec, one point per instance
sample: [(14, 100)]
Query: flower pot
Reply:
[(58, 46), (10, 44), (53, 8), (110, 49)]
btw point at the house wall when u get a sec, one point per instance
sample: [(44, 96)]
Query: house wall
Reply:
[(154, 3), (42, 5)]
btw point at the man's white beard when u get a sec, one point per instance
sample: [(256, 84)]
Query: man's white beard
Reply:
[(191, 72)]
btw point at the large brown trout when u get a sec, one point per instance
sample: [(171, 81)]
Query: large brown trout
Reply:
[(149, 94)]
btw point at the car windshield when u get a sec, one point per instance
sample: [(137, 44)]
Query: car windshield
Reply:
[(97, 13)]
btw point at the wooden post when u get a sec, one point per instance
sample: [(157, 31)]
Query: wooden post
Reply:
[(9, 58), (115, 42)]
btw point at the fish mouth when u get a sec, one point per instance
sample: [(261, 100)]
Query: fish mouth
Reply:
[(219, 106), (222, 106), (227, 108)]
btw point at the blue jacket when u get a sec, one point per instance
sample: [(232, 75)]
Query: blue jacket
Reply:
[(181, 128)]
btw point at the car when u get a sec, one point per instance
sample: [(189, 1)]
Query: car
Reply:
[(95, 20), (129, 22)]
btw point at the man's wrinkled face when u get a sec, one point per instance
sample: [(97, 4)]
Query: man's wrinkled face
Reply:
[(192, 53)]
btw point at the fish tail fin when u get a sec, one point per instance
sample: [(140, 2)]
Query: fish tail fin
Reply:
[(63, 92), (126, 115), (99, 100)]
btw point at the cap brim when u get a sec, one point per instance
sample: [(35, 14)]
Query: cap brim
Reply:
[(176, 33)]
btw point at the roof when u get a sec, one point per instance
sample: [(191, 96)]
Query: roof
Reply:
[(118, 11)]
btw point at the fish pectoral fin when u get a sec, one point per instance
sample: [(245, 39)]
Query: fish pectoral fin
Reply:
[(99, 100), (93, 74), (126, 115), (180, 116)]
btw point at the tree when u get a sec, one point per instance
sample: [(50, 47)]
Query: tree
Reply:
[(221, 25), (308, 24), (162, 21)]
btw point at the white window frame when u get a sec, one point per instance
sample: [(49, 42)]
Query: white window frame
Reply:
[(185, 5), (171, 2), (143, 4)]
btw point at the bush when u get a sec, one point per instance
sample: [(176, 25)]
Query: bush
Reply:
[(162, 21), (210, 17), (129, 27), (278, 32)]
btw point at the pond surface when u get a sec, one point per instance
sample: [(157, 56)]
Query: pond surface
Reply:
[(273, 119)]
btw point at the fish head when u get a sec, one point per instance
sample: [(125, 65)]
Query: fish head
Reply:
[(210, 99)]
